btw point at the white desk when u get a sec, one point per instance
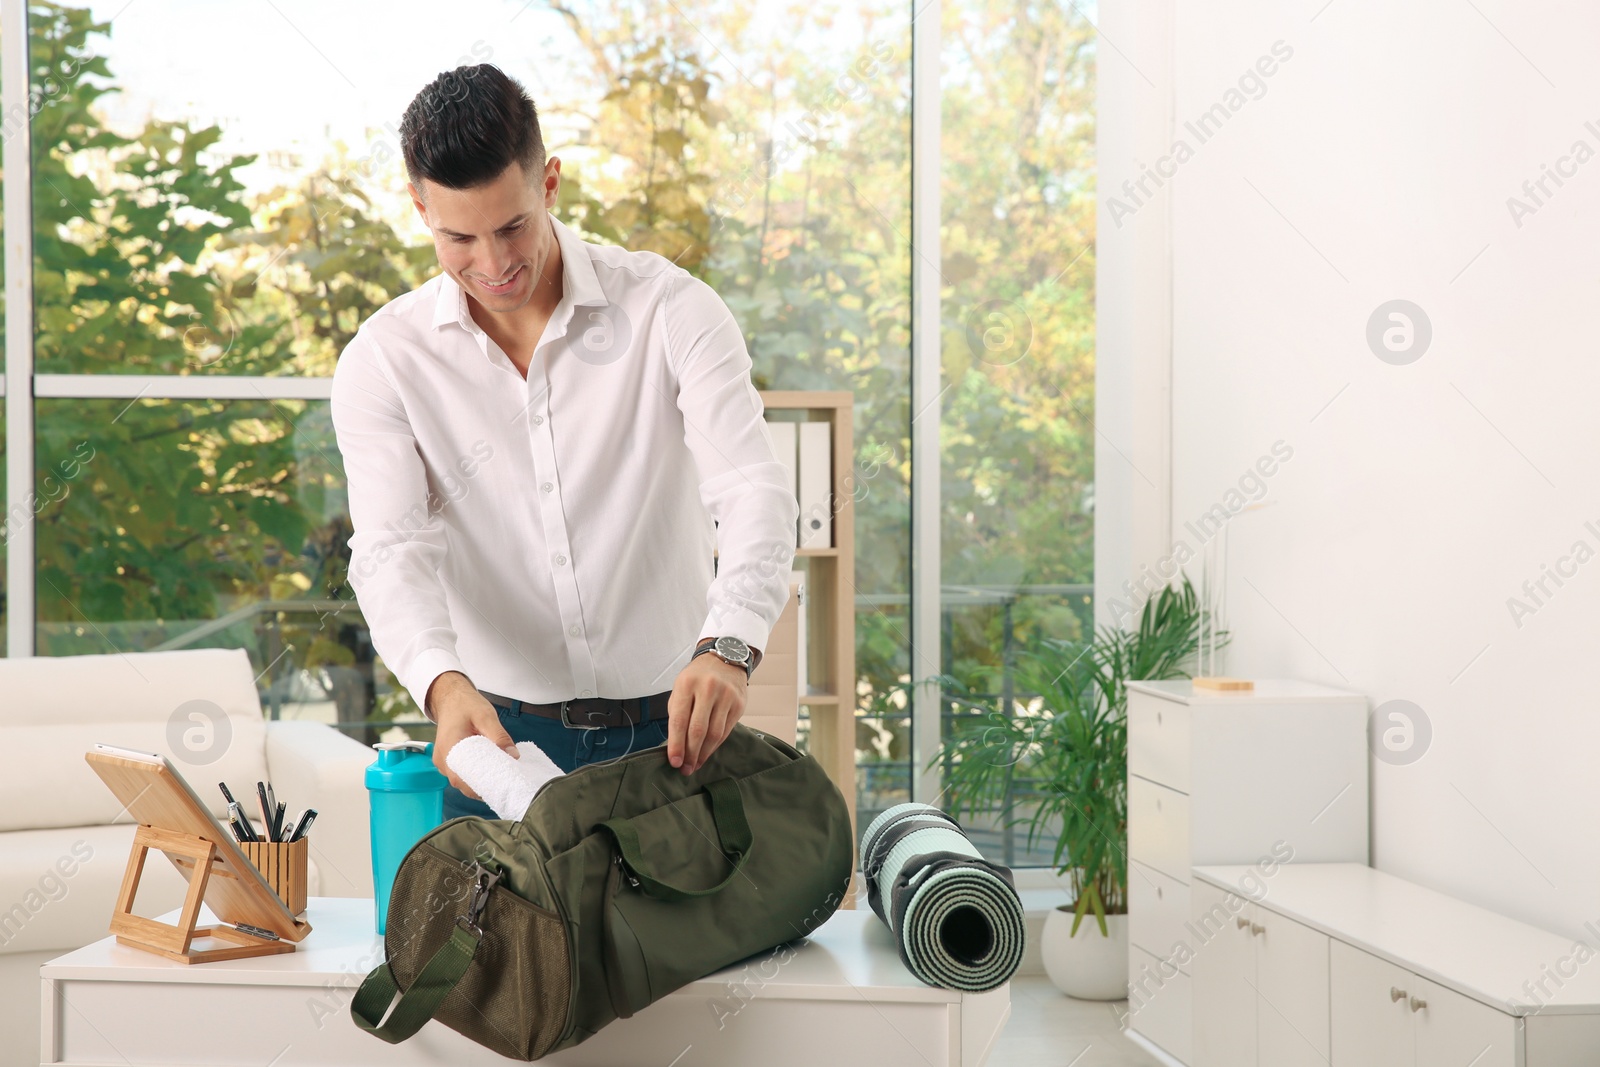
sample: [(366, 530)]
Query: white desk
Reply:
[(843, 998)]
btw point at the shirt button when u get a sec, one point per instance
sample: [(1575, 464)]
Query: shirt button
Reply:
[(538, 420), (575, 630), (547, 487), (561, 561)]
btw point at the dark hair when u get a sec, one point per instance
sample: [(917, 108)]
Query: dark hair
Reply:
[(466, 127)]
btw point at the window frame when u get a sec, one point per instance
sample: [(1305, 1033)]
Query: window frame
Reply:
[(21, 387)]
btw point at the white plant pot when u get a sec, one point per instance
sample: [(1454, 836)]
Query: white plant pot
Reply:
[(1090, 966)]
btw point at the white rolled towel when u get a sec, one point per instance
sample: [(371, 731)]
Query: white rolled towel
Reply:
[(506, 783)]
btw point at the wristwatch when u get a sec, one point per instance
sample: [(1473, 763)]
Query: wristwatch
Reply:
[(730, 650)]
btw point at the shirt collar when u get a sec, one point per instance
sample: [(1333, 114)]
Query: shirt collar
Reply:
[(580, 286)]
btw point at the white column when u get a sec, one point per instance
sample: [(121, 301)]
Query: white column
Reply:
[(1133, 298), (14, 67), (926, 566)]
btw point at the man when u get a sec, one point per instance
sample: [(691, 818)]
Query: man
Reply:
[(537, 443)]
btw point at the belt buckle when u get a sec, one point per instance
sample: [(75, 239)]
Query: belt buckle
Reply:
[(569, 724)]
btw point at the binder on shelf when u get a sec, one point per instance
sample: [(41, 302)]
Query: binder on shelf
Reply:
[(816, 480), (797, 579), (783, 443)]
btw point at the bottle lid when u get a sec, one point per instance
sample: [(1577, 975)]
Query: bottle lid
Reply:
[(405, 767)]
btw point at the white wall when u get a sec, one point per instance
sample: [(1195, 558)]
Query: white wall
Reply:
[(1377, 165)]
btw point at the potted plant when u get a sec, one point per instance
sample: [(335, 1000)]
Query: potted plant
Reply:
[(1062, 759)]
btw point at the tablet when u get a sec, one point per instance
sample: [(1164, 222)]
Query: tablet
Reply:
[(155, 794)]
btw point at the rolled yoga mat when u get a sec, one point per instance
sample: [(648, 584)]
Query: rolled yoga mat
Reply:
[(956, 917)]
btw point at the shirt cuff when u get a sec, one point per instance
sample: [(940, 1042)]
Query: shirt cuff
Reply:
[(428, 665), (746, 625)]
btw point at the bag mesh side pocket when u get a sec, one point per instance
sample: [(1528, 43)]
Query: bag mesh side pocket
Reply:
[(514, 996)]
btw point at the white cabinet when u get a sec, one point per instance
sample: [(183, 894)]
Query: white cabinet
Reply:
[(1386, 1016), (1370, 1016), (1169, 1024), (1261, 987), (1453, 1029), (1158, 736), (1158, 909), (1224, 980), (1291, 992), (1158, 829), (1368, 970), (1276, 774)]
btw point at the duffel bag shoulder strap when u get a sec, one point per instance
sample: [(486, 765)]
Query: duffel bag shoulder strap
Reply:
[(733, 837), (418, 1003), (437, 978)]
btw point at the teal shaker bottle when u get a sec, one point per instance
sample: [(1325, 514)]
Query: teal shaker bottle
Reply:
[(407, 795)]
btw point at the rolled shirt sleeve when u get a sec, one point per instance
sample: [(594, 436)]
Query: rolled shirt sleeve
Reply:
[(398, 545), (743, 486)]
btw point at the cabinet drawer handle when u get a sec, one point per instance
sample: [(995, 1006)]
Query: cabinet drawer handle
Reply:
[(1417, 1003), (1158, 718), (1396, 993), (1243, 924), (1257, 928), (1159, 894)]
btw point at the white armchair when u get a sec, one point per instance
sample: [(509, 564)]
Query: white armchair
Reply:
[(64, 840)]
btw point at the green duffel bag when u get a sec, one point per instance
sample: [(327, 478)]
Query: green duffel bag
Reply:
[(623, 882)]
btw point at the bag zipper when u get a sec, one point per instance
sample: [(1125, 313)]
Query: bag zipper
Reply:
[(484, 878), (622, 868), (644, 753)]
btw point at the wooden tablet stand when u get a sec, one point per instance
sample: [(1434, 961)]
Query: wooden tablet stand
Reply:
[(172, 820), (199, 857)]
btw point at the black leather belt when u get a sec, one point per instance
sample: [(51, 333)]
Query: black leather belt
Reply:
[(589, 713)]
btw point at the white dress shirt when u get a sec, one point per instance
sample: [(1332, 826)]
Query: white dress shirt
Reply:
[(552, 537)]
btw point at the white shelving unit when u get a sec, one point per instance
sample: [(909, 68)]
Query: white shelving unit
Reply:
[(829, 696), (1270, 775)]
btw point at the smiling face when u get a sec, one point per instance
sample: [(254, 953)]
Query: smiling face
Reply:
[(495, 240)]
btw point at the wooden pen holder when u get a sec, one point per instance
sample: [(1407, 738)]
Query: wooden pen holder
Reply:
[(283, 864)]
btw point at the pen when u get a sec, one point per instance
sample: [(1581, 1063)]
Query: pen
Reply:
[(307, 817), (266, 810), (241, 825), (272, 810), (236, 819), (277, 824)]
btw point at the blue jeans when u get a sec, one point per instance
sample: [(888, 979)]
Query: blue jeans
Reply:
[(568, 746)]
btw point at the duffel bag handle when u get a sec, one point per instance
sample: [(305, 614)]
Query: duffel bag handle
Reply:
[(733, 837), (418, 1003)]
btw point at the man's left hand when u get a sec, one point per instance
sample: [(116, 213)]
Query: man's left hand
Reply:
[(707, 699)]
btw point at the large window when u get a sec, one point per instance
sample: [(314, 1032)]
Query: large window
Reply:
[(208, 234), (1017, 347)]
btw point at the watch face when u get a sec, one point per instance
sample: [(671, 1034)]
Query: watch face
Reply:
[(731, 648)]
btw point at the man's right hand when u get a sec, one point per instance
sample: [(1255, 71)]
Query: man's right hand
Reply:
[(461, 711)]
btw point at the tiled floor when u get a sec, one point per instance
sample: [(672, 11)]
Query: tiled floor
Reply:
[(1048, 1029)]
